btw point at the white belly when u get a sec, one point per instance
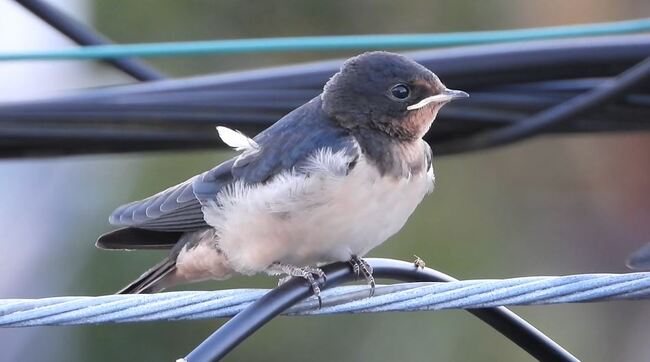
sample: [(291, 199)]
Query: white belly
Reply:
[(307, 220)]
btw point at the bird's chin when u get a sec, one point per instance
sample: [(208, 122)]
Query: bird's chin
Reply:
[(419, 121)]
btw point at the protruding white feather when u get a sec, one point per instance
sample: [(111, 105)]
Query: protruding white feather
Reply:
[(236, 139)]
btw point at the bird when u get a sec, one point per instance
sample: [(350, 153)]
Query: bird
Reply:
[(328, 182)]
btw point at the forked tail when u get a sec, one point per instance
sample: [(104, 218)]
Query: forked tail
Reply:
[(153, 280)]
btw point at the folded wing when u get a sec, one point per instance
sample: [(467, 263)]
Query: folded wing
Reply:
[(283, 146)]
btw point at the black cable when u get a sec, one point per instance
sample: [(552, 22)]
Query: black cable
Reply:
[(83, 35), (578, 105), (245, 323), (546, 74), (136, 122)]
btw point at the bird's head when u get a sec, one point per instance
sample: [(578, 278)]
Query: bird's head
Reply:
[(387, 92)]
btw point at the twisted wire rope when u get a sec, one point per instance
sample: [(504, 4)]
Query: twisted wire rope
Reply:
[(468, 294)]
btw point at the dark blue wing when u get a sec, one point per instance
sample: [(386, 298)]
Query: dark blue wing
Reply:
[(281, 147), (174, 209)]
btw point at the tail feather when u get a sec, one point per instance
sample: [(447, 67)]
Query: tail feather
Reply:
[(134, 238), (153, 280)]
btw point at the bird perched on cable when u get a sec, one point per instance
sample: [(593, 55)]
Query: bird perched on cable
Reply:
[(328, 182)]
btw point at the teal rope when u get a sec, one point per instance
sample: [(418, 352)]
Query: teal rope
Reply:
[(330, 43)]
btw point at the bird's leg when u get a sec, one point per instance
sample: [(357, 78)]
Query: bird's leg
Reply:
[(360, 266), (306, 273)]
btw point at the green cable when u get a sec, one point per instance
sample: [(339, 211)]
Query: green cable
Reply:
[(330, 43)]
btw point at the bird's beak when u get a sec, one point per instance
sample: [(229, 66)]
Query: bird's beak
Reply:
[(443, 97)]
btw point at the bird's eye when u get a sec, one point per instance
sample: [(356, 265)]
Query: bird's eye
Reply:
[(400, 91)]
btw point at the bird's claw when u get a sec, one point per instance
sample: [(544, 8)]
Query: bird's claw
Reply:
[(306, 273), (316, 271), (359, 267), (284, 279)]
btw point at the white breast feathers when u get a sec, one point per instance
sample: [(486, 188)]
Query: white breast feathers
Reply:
[(319, 213)]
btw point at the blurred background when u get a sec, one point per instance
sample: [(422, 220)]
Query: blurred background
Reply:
[(549, 206)]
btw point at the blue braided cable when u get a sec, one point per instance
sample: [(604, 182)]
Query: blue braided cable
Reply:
[(330, 43), (468, 294)]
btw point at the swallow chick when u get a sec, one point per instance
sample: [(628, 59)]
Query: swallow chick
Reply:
[(328, 182)]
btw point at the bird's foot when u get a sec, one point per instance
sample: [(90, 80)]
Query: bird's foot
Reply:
[(418, 262), (360, 266), (306, 273)]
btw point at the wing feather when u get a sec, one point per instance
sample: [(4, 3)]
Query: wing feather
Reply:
[(284, 146), (165, 211)]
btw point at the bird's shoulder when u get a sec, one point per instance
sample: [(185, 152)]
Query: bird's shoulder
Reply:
[(291, 141)]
